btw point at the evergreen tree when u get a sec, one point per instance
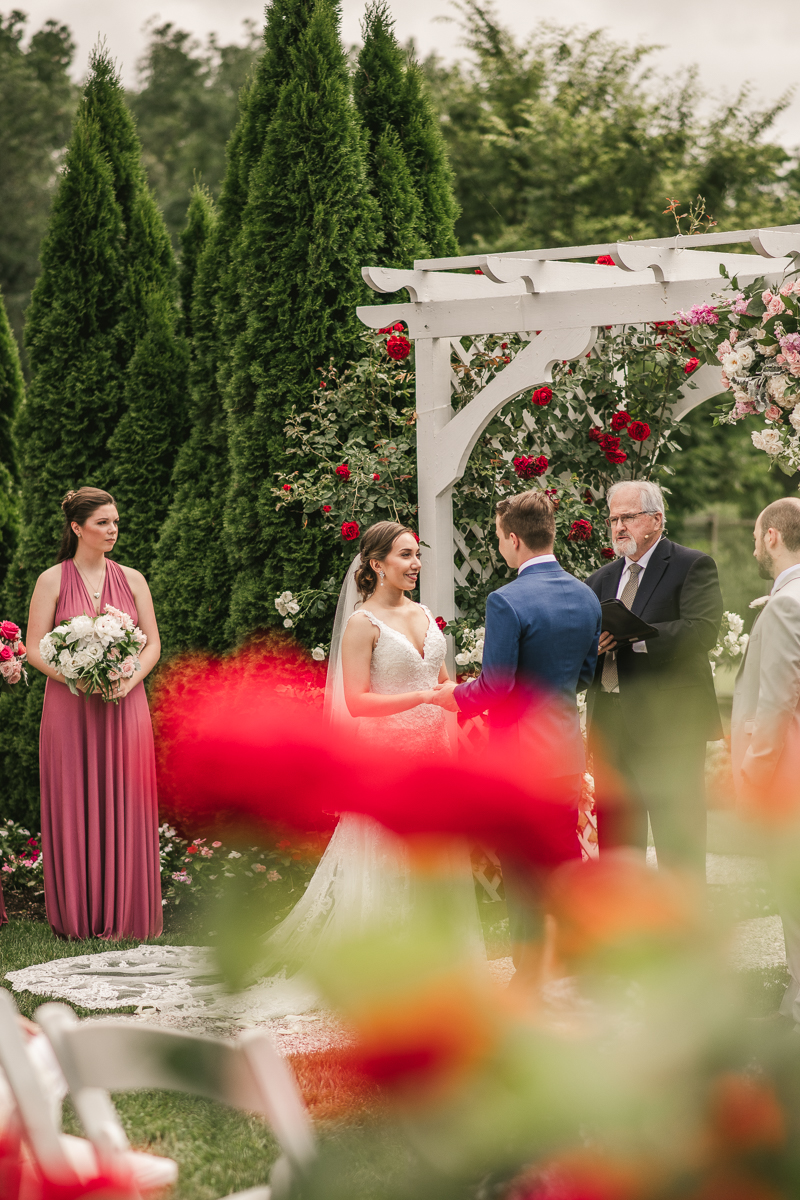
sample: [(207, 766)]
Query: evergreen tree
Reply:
[(380, 87), (11, 394), (431, 173), (309, 225), (106, 285), (193, 238)]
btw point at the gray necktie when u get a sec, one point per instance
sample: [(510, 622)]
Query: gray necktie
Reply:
[(609, 680)]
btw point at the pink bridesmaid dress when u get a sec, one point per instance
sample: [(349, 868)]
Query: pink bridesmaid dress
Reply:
[(99, 805)]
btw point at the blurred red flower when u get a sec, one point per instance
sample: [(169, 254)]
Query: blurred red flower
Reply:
[(287, 487), (596, 434), (605, 260), (607, 552), (588, 496), (440, 621), (609, 442), (616, 456), (326, 508), (691, 365), (580, 531), (530, 468)]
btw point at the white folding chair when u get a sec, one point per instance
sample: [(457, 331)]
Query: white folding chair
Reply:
[(112, 1055)]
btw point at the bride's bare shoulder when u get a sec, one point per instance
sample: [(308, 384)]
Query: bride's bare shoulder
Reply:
[(361, 627)]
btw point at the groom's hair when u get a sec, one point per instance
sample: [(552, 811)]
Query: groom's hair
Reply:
[(531, 516), (784, 515)]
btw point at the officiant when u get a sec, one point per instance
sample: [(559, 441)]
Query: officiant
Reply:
[(652, 706)]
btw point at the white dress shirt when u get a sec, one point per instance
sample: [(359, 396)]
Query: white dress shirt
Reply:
[(779, 579), (637, 647), (537, 558)]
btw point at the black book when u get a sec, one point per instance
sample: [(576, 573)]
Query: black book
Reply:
[(624, 625)]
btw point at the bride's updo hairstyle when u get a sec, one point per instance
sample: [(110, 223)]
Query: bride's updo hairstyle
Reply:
[(79, 506), (376, 543)]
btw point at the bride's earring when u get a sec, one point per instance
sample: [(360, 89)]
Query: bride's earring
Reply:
[(383, 576)]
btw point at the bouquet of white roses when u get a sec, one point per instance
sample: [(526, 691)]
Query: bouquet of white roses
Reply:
[(100, 650)]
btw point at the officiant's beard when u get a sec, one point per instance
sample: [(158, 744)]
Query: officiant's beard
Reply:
[(764, 564), (625, 545)]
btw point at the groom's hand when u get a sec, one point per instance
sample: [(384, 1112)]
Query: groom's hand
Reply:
[(443, 696)]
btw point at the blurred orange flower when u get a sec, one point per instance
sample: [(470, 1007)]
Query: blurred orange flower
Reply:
[(618, 899), (746, 1115)]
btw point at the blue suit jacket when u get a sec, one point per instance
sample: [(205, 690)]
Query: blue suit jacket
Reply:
[(542, 631)]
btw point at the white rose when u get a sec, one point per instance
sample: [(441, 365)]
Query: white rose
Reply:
[(288, 623), (280, 604), (79, 627), (65, 666), (746, 356), (47, 648), (318, 654), (776, 387), (82, 659), (293, 608), (462, 660), (768, 440), (794, 418)]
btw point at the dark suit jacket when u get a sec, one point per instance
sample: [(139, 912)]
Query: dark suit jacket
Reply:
[(667, 694), (542, 630)]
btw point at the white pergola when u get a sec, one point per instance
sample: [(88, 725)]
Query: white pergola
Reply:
[(566, 301)]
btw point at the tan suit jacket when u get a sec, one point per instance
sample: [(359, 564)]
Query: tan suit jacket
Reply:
[(765, 722)]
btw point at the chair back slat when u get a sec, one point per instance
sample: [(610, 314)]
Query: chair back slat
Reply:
[(33, 1106)]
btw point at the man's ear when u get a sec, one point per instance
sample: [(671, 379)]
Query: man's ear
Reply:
[(514, 540)]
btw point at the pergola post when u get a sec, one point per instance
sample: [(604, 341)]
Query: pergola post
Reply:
[(434, 411)]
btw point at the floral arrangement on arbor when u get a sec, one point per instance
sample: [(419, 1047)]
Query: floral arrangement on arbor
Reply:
[(753, 332)]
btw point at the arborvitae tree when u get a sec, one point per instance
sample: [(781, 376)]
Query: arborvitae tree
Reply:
[(380, 88), (309, 225), (193, 238), (431, 173), (107, 271), (11, 394)]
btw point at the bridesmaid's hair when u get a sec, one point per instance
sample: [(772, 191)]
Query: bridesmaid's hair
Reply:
[(377, 542), (79, 506)]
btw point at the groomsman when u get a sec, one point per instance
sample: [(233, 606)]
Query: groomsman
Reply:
[(652, 705), (765, 723)]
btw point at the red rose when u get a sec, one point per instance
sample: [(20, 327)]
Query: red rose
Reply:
[(287, 487), (504, 345), (192, 849), (398, 347), (542, 396), (326, 508), (386, 329), (609, 442), (639, 431), (399, 327), (619, 420), (605, 260), (478, 271), (415, 535), (616, 456), (580, 531), (9, 631), (343, 471), (607, 552), (691, 365), (6, 653), (530, 468), (440, 621), (350, 530), (595, 434), (376, 477), (552, 495), (588, 498), (322, 383)]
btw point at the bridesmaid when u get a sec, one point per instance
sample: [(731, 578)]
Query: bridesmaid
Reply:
[(99, 806)]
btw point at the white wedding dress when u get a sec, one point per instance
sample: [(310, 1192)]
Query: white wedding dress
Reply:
[(363, 880)]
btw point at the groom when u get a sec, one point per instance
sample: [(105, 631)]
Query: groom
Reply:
[(540, 646)]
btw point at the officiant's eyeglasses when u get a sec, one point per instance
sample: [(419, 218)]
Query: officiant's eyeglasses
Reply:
[(625, 518)]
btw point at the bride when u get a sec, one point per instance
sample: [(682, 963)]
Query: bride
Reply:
[(386, 660)]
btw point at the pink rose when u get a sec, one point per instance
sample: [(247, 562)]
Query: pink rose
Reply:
[(11, 671), (772, 412), (127, 667), (775, 306), (6, 653), (9, 631)]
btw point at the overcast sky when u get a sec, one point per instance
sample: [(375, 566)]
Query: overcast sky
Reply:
[(731, 40)]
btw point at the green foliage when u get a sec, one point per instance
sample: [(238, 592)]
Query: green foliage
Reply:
[(12, 391), (568, 138), (308, 226), (37, 100), (193, 238), (379, 88), (185, 105), (431, 172)]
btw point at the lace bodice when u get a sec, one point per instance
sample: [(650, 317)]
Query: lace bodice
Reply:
[(397, 667)]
